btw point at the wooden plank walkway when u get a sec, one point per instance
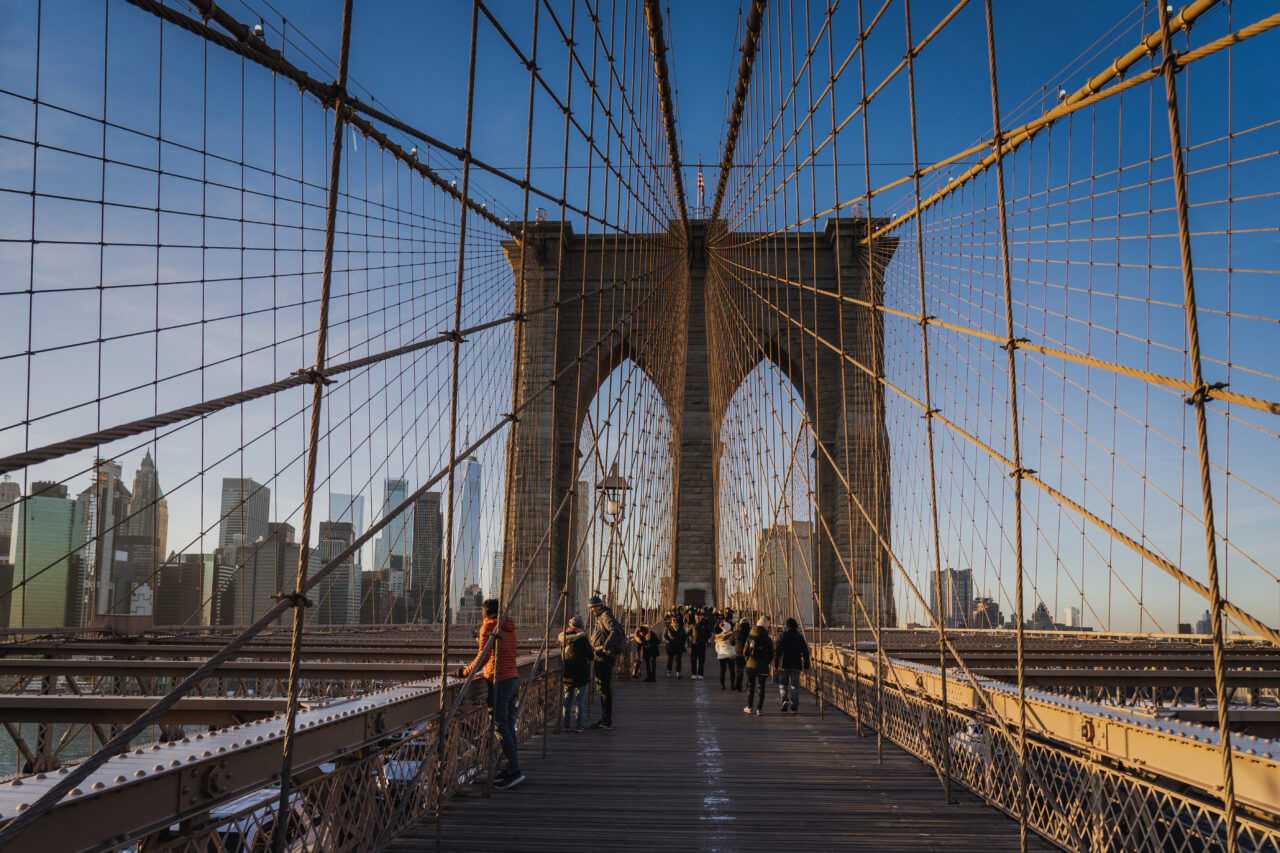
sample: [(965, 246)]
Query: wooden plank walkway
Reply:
[(685, 769)]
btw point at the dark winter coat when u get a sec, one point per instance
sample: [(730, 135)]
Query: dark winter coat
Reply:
[(759, 650), (700, 633), (675, 639), (647, 642), (575, 656), (791, 651), (606, 634)]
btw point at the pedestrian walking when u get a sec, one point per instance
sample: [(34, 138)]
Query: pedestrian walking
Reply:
[(740, 635), (759, 654), (725, 653), (790, 657), (606, 644), (699, 636), (674, 639), (575, 669), (498, 659)]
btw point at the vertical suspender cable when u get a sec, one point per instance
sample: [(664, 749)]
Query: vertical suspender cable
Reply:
[(1198, 400), (1020, 786), (929, 412), (318, 381)]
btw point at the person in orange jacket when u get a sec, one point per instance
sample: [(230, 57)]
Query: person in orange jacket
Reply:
[(499, 661)]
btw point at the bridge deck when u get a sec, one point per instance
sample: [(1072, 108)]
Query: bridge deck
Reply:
[(686, 769)]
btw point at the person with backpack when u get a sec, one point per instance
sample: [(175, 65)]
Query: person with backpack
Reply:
[(575, 672), (790, 656), (759, 654), (740, 635), (725, 653), (674, 639), (699, 636)]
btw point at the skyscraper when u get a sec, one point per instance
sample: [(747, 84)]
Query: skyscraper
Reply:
[(336, 595), (784, 571), (265, 568), (495, 576), (986, 614), (394, 539), (466, 529), (104, 506), (246, 506), (10, 492), (957, 596), (179, 590), (426, 568), (1071, 617), (45, 552), (349, 508)]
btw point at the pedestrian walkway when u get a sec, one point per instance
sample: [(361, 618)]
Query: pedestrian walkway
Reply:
[(684, 769)]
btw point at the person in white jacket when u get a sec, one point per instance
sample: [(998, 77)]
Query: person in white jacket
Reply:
[(725, 653)]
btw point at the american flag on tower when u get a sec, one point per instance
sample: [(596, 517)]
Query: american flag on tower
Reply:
[(699, 187)]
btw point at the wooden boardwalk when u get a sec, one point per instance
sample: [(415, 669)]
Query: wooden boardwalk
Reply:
[(684, 769)]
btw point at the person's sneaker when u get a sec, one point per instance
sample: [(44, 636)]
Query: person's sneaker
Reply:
[(508, 780), (678, 675), (722, 687), (746, 710), (580, 729), (601, 724), (756, 712)]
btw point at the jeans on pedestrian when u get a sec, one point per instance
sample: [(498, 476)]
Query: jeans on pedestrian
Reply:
[(789, 689), (740, 669), (730, 666), (651, 666), (574, 695), (755, 676), (697, 659), (674, 659), (604, 686), (502, 699)]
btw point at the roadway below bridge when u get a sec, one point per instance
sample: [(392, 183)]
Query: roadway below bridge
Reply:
[(685, 769)]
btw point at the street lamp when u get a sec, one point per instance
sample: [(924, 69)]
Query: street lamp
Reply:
[(614, 488), (739, 577)]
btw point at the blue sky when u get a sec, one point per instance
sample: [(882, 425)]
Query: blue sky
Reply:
[(247, 293)]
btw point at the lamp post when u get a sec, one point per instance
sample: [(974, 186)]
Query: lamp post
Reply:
[(613, 510), (739, 574)]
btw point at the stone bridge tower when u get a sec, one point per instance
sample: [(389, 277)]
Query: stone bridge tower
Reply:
[(697, 311)]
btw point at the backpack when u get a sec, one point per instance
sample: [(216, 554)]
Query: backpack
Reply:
[(757, 652)]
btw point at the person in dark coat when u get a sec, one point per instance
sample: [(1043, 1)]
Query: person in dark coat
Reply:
[(607, 643), (647, 648), (699, 636), (759, 654), (575, 657), (674, 639), (790, 656), (739, 648)]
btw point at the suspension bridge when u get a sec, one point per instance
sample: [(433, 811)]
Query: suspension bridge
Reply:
[(957, 347)]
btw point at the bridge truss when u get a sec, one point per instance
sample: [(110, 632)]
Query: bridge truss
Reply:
[(1038, 357)]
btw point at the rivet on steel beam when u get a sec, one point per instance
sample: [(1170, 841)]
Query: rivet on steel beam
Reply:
[(206, 754), (75, 792), (97, 786), (137, 774), (175, 763), (41, 776), (118, 779), (22, 807), (16, 783)]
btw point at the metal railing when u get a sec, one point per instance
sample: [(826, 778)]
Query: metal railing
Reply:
[(1090, 790)]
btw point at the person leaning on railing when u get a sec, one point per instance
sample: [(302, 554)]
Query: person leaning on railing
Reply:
[(575, 656), (499, 662)]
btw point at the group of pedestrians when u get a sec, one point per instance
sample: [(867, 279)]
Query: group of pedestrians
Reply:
[(745, 652)]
